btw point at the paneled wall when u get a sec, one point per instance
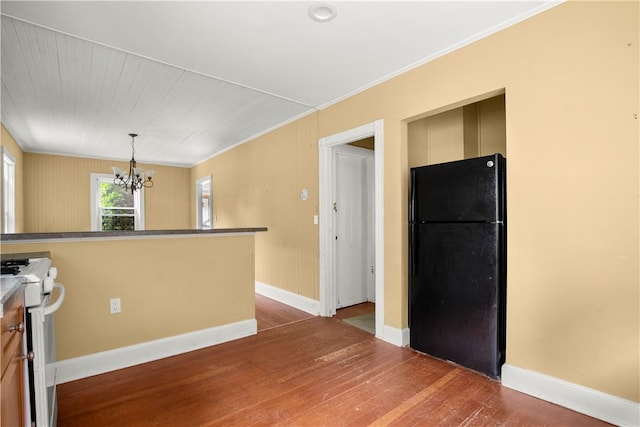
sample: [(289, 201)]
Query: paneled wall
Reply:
[(57, 194), (476, 129), (258, 184)]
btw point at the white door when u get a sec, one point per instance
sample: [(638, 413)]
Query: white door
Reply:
[(353, 225)]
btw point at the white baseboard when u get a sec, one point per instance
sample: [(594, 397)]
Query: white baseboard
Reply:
[(399, 337), (606, 407), (111, 360), (395, 336), (305, 304)]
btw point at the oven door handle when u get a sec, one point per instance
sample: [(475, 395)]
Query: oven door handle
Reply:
[(56, 305)]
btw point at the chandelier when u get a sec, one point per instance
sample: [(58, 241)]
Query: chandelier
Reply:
[(136, 179)]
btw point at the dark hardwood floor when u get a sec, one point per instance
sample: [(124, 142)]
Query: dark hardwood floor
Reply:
[(356, 310), (271, 314), (301, 370)]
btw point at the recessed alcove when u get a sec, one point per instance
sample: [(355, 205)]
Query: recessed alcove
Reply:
[(461, 132)]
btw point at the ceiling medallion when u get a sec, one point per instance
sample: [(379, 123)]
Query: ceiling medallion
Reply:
[(323, 12)]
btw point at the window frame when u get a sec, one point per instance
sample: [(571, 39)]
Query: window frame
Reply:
[(200, 183), (138, 203), (8, 201)]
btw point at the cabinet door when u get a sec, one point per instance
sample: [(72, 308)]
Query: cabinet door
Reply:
[(12, 391), (13, 365)]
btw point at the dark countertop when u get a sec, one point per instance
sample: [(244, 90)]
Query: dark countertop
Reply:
[(25, 255), (8, 286), (25, 237)]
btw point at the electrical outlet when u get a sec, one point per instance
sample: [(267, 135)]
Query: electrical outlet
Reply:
[(115, 305)]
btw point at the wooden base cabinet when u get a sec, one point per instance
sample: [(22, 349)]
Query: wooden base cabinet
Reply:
[(12, 362)]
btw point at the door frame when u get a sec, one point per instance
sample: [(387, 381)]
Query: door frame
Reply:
[(199, 184), (327, 177)]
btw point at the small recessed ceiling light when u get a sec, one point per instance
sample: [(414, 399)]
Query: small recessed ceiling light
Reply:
[(323, 12)]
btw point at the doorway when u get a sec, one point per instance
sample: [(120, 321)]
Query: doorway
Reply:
[(353, 216), (204, 205), (328, 264)]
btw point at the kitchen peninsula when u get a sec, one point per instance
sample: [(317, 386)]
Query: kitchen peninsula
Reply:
[(179, 290)]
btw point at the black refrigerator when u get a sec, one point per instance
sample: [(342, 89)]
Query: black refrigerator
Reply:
[(457, 262)]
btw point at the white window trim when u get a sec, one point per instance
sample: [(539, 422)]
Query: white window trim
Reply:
[(8, 192), (96, 179), (199, 183)]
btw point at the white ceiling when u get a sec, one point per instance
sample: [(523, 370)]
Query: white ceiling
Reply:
[(195, 78)]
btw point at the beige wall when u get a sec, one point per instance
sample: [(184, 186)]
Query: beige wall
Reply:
[(160, 296), (368, 143), (476, 129), (491, 128), (9, 144), (570, 78), (436, 139), (258, 184), (57, 194)]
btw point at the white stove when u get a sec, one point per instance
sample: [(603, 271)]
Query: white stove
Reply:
[(40, 379)]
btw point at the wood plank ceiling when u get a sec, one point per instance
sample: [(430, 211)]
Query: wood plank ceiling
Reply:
[(70, 86), (195, 78)]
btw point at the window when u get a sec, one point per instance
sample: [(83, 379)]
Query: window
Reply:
[(204, 205), (8, 192), (113, 207)]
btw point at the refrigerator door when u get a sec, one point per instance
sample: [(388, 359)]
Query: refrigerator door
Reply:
[(469, 190), (456, 310)]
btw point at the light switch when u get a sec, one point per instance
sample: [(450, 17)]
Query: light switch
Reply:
[(315, 219)]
